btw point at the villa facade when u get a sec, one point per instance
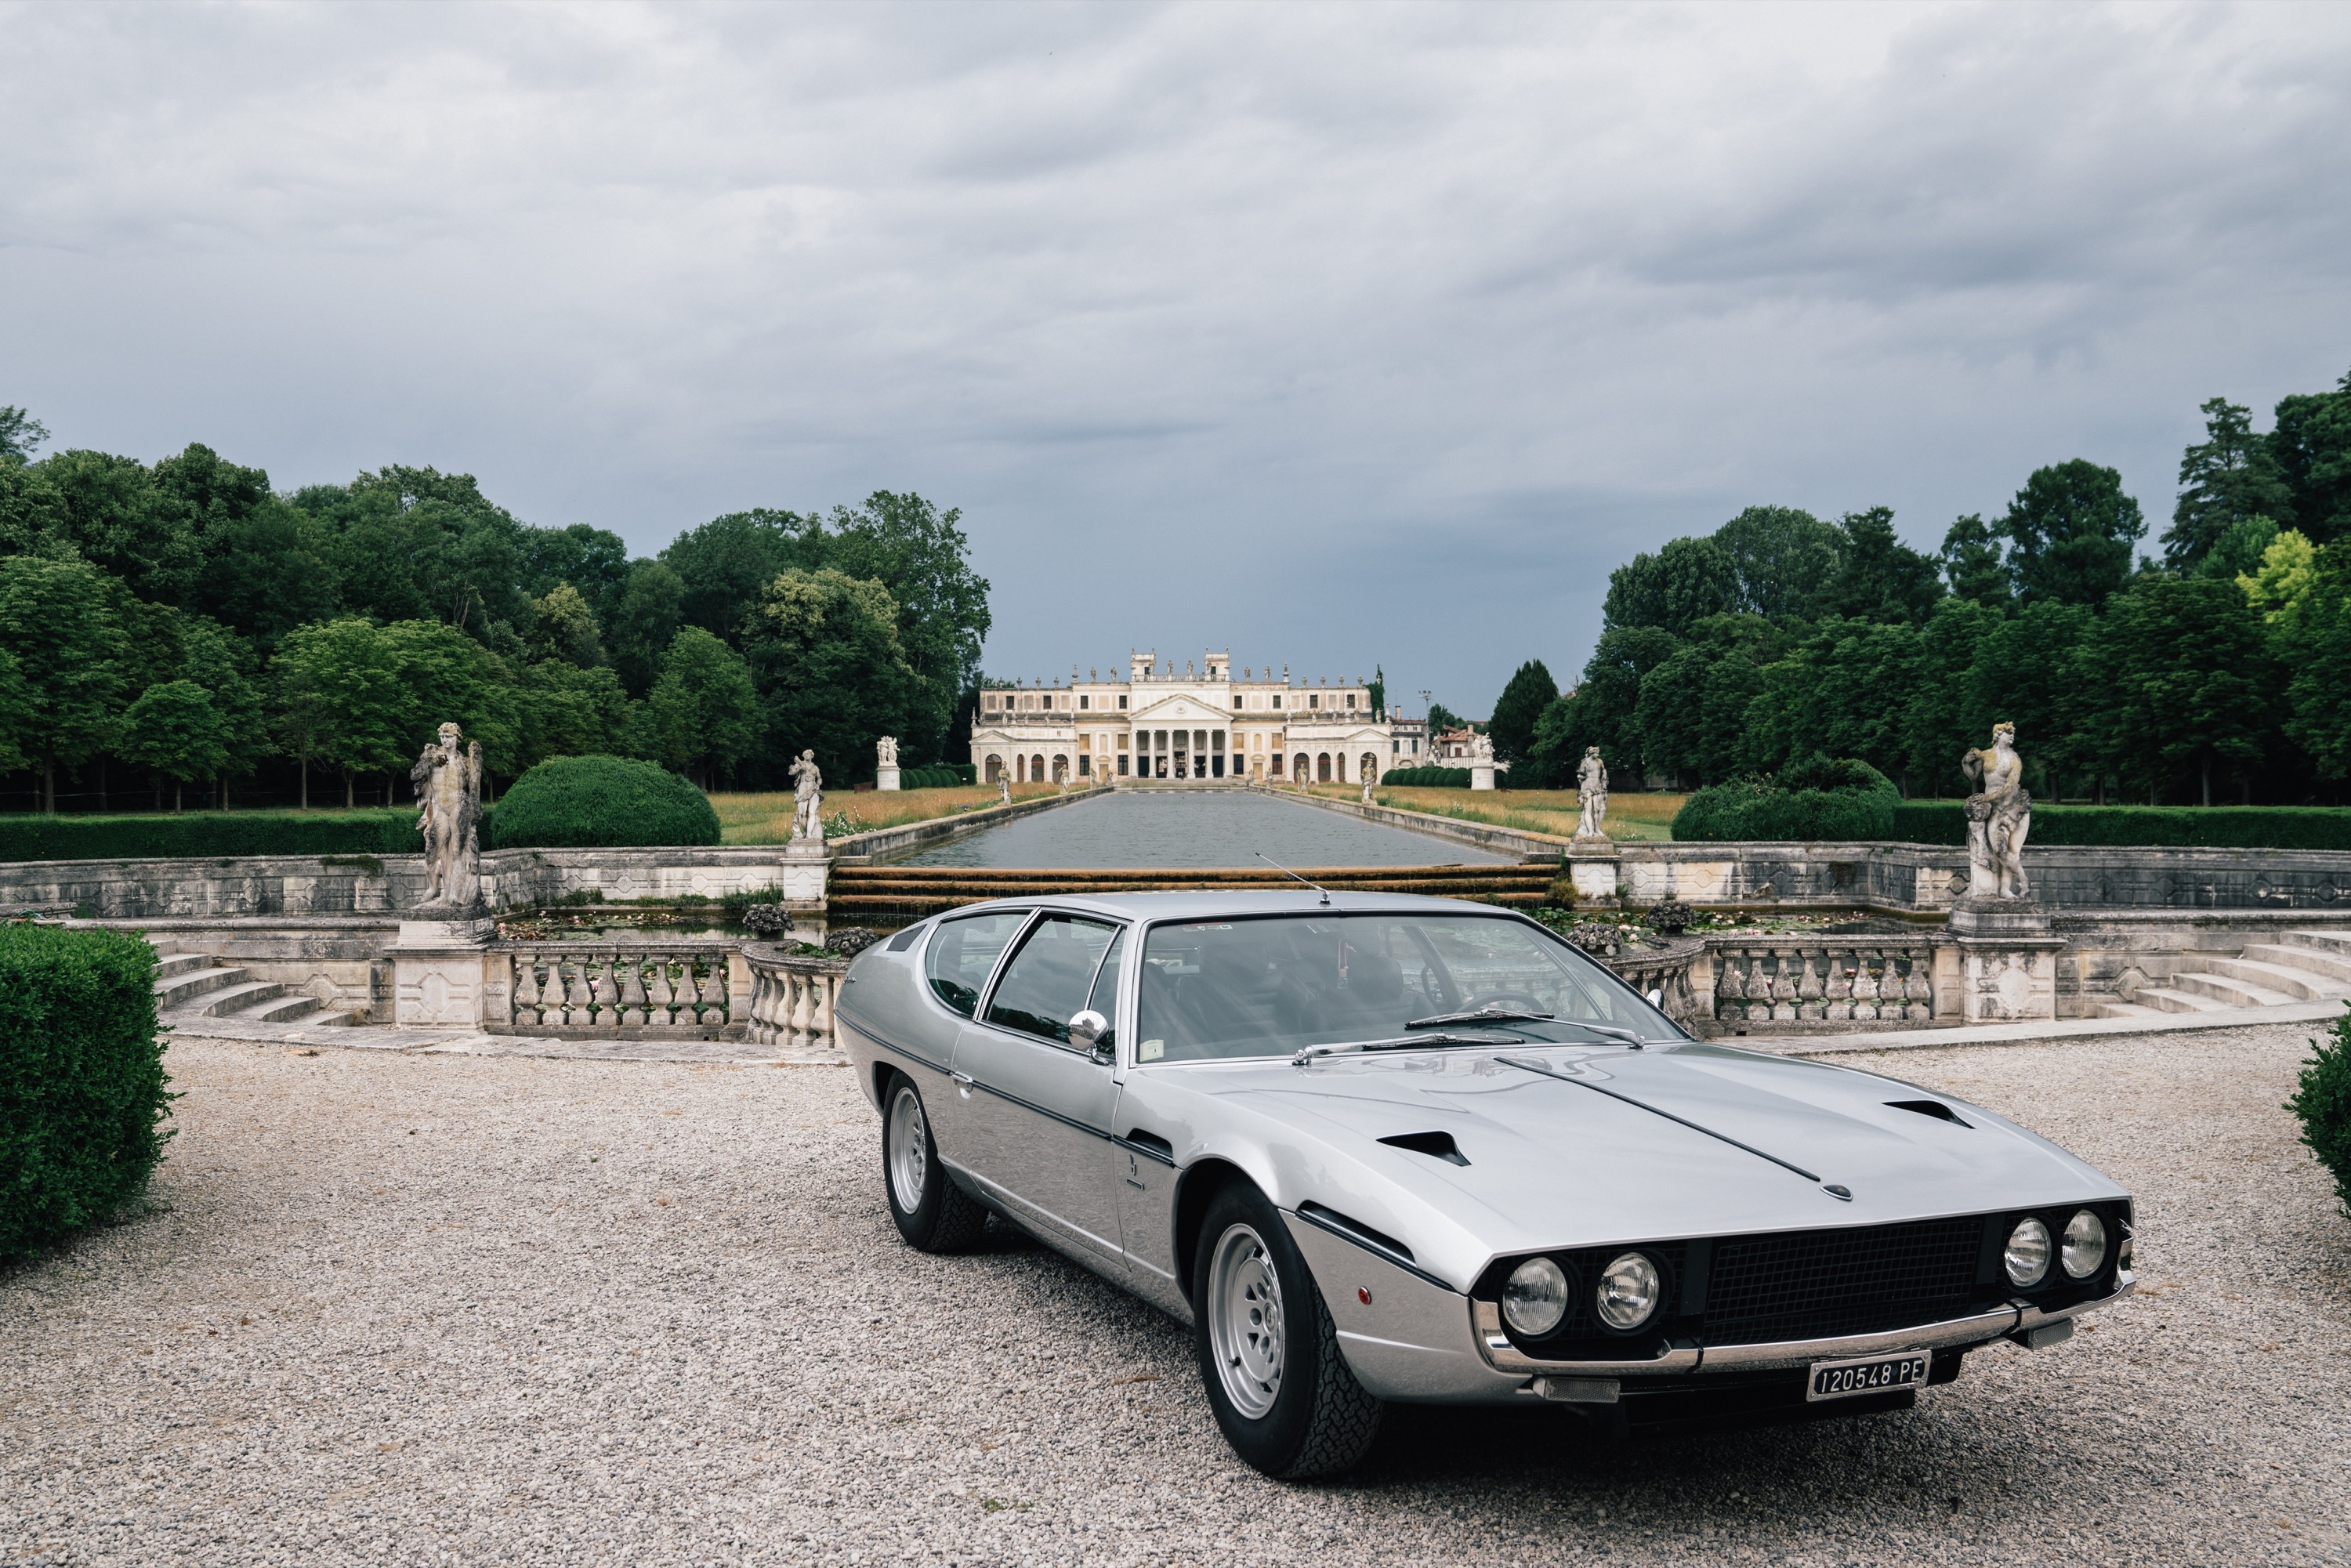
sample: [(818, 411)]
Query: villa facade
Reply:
[(1205, 723)]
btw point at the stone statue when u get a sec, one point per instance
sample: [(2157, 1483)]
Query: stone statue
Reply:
[(885, 751), (1367, 790), (1481, 750), (1998, 816), (1592, 794), (1004, 787), (448, 780), (808, 800)]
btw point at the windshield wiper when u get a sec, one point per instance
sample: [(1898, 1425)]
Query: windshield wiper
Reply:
[(1492, 1012), (1626, 1035), (1408, 1042)]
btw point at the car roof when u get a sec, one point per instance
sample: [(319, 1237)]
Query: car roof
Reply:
[(1210, 903)]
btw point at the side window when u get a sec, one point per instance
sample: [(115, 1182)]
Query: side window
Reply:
[(1104, 1000), (964, 952), (1052, 976)]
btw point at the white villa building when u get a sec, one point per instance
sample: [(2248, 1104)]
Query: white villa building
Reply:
[(1206, 722)]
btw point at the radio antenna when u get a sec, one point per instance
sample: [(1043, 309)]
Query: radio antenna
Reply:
[(1293, 875)]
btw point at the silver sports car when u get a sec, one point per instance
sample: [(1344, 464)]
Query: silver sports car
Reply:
[(1380, 1149)]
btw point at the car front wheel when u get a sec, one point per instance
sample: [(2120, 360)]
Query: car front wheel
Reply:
[(1282, 1392), (933, 1212)]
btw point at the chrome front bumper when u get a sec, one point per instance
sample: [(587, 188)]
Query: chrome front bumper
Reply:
[(2017, 1319)]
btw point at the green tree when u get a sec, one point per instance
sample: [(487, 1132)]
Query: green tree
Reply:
[(1973, 565), (451, 678), (174, 729), (724, 565), (2226, 478), (1843, 692), (644, 623), (113, 518), (700, 711), (1693, 707), (1605, 710), (2282, 579), (831, 673), (563, 626), (2027, 671), (58, 626), (2188, 682), (20, 433), (2070, 530), (920, 554), (2315, 641), (1516, 711), (1781, 557), (223, 665), (1379, 692), (592, 561), (414, 544), (1442, 718), (1879, 577), (340, 700), (565, 710), (1682, 584), (1937, 717), (2238, 552), (2311, 443)]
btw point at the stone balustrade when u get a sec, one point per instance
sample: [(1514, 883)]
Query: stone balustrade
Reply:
[(620, 988), (1771, 980), (792, 998)]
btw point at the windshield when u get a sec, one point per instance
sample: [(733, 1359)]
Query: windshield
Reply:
[(1274, 985)]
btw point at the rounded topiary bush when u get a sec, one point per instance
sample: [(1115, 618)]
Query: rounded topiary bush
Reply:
[(600, 802), (1815, 798), (2323, 1101)]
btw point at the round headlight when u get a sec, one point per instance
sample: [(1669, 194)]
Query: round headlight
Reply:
[(1628, 1293), (2027, 1255), (1535, 1298), (2086, 1244)]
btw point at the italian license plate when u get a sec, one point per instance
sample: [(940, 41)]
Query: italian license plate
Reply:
[(1871, 1374)]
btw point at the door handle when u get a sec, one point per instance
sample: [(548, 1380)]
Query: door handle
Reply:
[(965, 1079)]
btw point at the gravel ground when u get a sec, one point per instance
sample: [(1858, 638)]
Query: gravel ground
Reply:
[(445, 1308)]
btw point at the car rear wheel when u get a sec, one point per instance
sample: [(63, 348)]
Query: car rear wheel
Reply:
[(1282, 1392), (932, 1213)]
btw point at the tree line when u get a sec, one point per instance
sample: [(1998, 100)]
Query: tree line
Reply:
[(2220, 670), (182, 623)]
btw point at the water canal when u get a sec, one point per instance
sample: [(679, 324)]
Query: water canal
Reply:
[(1196, 828)]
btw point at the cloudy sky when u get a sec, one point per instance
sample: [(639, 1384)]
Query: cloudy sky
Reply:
[(1334, 335)]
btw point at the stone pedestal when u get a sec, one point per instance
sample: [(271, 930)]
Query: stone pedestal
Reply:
[(806, 871), (885, 777), (1592, 868), (1482, 776), (2007, 959), (440, 970)]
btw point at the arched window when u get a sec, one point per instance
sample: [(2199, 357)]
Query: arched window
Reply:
[(1037, 768), (1020, 770), (995, 767), (1321, 768)]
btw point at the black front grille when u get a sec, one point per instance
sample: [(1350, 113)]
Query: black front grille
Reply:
[(1816, 1284)]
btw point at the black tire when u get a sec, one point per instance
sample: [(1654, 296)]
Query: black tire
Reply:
[(945, 1218), (1320, 1420)]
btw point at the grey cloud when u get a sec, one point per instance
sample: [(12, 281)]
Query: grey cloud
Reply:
[(1336, 334)]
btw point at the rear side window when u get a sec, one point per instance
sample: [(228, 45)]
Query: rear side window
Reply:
[(964, 954), (1051, 977), (905, 939)]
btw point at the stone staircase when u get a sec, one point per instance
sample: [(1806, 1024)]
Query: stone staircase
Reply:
[(191, 984), (2299, 967)]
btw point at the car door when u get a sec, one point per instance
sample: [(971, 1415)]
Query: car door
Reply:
[(1039, 1112), (962, 955)]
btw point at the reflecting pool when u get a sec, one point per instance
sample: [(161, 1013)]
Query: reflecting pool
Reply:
[(1197, 827)]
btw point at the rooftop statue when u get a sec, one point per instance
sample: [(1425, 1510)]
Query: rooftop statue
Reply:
[(448, 780), (2000, 814)]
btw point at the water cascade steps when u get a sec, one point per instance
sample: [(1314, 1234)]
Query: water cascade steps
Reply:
[(2299, 967), (887, 895)]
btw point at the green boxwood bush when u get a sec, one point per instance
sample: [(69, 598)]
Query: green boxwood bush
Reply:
[(600, 802), (82, 1095), (210, 835), (2205, 827), (2324, 1103), (1427, 778), (1819, 798), (939, 776)]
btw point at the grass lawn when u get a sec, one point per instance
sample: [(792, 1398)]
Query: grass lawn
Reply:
[(1630, 816), (768, 819)]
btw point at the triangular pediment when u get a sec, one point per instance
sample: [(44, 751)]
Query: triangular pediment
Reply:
[(1180, 707)]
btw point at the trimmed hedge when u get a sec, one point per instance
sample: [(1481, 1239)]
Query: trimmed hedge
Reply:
[(939, 776), (2195, 827), (210, 835), (1818, 798), (83, 1094), (2323, 1101), (1427, 778), (600, 802)]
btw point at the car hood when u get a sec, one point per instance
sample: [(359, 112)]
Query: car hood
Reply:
[(1574, 1145)]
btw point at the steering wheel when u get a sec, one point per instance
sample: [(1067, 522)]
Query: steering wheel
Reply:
[(1516, 1001)]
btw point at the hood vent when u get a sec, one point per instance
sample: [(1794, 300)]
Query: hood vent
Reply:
[(1437, 1145), (1934, 1108)]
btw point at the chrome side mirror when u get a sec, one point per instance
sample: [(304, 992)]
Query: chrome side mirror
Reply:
[(1090, 1032)]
